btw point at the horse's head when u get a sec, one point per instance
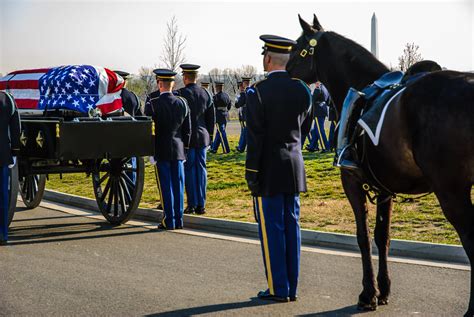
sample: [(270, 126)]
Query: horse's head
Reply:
[(302, 63)]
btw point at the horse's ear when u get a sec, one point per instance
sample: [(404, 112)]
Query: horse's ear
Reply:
[(307, 29), (316, 24)]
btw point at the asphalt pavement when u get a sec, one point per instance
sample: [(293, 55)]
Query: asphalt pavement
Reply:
[(61, 263)]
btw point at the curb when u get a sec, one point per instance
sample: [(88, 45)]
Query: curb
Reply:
[(402, 248)]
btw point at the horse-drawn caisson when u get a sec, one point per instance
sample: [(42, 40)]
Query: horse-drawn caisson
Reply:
[(72, 122)]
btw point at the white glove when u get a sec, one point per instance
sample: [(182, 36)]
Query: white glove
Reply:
[(13, 164), (152, 160)]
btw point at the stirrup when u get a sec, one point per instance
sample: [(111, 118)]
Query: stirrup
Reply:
[(341, 162)]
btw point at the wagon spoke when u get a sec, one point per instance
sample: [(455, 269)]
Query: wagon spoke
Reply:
[(106, 190), (109, 201), (128, 197), (106, 175), (115, 193), (122, 198)]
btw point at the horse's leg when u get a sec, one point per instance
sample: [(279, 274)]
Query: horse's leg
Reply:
[(382, 240), (458, 209), (356, 196)]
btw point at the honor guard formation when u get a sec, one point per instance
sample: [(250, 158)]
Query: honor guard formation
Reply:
[(275, 116)]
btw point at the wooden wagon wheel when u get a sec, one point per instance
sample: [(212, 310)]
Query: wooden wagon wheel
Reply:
[(32, 190), (118, 187)]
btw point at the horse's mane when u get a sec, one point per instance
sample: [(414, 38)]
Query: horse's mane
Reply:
[(359, 55)]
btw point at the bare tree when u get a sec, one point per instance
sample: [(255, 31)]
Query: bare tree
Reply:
[(175, 44), (409, 57), (147, 76)]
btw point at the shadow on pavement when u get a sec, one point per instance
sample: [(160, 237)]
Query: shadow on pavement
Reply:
[(46, 218), (61, 232), (215, 308), (344, 311)]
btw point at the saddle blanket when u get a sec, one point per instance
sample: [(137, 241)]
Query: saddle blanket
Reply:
[(75, 87), (372, 120)]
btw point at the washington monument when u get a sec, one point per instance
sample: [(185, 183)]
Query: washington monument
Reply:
[(374, 42)]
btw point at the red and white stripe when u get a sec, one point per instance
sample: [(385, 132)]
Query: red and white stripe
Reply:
[(110, 88), (24, 86)]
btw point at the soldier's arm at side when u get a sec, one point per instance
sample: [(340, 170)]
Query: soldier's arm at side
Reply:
[(15, 128), (186, 128), (240, 101), (148, 107), (308, 105), (255, 139), (229, 103), (138, 108), (210, 119)]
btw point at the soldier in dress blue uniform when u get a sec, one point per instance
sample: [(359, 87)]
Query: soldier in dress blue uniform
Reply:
[(9, 149), (173, 134), (321, 101), (278, 113), (240, 104), (130, 101), (202, 124), (222, 106)]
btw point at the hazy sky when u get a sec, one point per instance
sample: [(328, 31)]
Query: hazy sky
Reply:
[(129, 34)]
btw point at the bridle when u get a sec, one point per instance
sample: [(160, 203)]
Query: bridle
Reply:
[(309, 49)]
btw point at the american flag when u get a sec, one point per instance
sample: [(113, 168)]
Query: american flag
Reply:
[(75, 87)]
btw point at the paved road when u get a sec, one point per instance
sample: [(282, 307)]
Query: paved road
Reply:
[(66, 264)]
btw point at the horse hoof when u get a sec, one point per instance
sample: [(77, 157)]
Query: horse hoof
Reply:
[(367, 307), (382, 301)]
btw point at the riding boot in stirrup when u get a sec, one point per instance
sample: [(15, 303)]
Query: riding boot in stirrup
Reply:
[(345, 152)]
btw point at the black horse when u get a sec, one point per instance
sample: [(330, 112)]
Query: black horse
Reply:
[(426, 144)]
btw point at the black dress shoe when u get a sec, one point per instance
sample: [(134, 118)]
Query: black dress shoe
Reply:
[(3, 242), (265, 295), (163, 227), (293, 298), (200, 210), (179, 227), (189, 210)]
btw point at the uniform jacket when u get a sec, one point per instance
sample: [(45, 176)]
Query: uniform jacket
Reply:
[(131, 103), (148, 102), (173, 127), (241, 105), (222, 106), (202, 114), (9, 129), (278, 113)]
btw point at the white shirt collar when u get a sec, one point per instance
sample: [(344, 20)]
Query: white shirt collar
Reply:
[(276, 71), (166, 92)]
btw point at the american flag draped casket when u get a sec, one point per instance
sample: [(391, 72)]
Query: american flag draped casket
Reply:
[(74, 87)]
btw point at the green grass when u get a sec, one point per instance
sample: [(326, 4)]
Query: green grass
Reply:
[(324, 206)]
